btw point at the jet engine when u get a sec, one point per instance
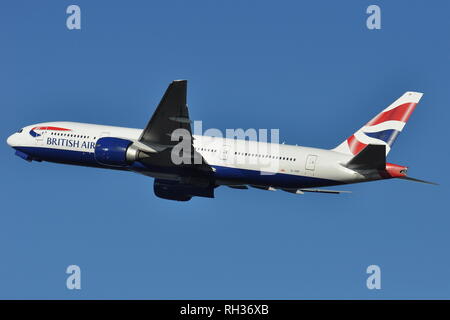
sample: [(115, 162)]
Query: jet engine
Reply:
[(174, 190), (115, 151)]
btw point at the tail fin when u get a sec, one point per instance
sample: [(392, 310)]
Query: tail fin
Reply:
[(384, 128)]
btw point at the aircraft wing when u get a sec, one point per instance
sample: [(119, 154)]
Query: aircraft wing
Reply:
[(302, 191), (295, 191), (170, 115)]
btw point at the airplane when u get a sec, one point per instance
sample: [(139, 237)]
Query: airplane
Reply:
[(204, 163)]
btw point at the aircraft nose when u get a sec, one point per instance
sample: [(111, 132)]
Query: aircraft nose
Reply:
[(12, 140)]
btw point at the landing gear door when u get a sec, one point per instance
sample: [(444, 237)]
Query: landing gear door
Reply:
[(310, 164)]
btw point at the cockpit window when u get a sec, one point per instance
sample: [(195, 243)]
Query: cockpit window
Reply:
[(20, 130)]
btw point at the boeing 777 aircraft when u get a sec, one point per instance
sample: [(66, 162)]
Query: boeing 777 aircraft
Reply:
[(195, 165)]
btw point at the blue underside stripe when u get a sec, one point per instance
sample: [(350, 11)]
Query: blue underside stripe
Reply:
[(284, 180), (243, 176)]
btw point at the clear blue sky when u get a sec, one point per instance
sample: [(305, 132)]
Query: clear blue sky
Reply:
[(312, 69)]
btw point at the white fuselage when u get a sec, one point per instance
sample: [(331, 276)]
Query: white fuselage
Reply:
[(234, 161)]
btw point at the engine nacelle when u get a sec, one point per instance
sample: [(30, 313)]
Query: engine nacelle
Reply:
[(115, 151), (174, 190)]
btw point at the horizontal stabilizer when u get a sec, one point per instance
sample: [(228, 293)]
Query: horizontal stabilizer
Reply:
[(418, 180), (373, 156)]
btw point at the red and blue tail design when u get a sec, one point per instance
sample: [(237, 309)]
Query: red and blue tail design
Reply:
[(384, 128)]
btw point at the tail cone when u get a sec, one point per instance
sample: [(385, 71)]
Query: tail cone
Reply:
[(395, 171)]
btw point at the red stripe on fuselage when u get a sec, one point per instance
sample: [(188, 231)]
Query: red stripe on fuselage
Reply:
[(400, 113), (51, 128)]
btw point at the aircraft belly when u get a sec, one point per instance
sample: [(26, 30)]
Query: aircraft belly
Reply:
[(284, 180)]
